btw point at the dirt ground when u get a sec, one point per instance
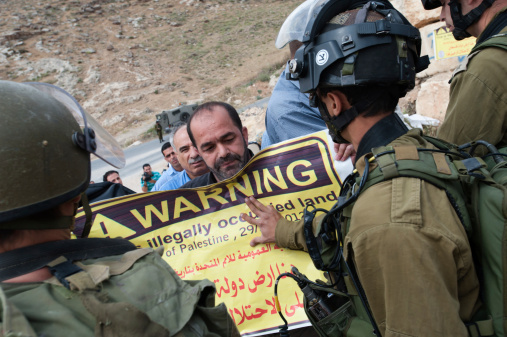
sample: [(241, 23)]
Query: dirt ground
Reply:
[(125, 61)]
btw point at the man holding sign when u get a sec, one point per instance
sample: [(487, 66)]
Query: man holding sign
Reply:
[(218, 134)]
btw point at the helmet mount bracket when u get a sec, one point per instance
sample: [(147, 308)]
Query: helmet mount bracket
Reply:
[(86, 140)]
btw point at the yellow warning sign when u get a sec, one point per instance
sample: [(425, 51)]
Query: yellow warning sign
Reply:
[(446, 46)]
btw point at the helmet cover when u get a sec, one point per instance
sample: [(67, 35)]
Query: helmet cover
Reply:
[(371, 45), (46, 142)]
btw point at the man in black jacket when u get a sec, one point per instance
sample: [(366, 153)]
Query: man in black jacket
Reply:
[(218, 134)]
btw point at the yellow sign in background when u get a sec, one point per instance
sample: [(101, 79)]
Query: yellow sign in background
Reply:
[(203, 235), (447, 46)]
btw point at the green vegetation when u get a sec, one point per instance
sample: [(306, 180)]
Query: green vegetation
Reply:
[(265, 73), (50, 80), (40, 77), (253, 25), (211, 49)]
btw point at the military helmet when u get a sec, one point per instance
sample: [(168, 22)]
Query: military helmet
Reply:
[(431, 4), (459, 21), (349, 44), (46, 139), (352, 43)]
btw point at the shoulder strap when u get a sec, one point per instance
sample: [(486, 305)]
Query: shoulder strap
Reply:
[(27, 259), (80, 277), (409, 161), (431, 165)]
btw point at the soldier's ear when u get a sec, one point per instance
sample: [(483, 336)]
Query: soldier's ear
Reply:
[(334, 102)]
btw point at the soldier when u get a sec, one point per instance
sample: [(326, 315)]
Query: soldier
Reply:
[(158, 129), (477, 102), (402, 238), (54, 286)]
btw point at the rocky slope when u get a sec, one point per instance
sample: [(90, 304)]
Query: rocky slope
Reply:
[(126, 60)]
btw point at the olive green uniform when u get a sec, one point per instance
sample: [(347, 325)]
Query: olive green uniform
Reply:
[(134, 294), (478, 100), (158, 129), (411, 254)]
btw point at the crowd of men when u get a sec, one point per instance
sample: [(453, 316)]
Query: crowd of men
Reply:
[(408, 247)]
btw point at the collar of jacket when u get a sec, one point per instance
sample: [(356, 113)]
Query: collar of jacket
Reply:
[(496, 25), (384, 132)]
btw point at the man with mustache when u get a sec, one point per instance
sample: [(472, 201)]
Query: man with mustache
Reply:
[(215, 129), (192, 163)]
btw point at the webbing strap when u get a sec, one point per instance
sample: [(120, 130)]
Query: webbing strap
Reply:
[(386, 27), (386, 163), (348, 65), (81, 281), (351, 290), (91, 275), (61, 268), (471, 167), (24, 260), (481, 328), (88, 215), (441, 163), (406, 153)]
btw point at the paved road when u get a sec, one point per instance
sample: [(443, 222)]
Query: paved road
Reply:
[(136, 156), (262, 103)]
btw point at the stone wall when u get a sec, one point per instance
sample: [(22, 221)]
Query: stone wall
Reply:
[(431, 94)]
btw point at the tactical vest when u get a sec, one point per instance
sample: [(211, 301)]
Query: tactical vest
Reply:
[(131, 294), (477, 190)]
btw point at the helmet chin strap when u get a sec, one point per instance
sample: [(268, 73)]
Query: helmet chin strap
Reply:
[(336, 124), (88, 215), (462, 22)]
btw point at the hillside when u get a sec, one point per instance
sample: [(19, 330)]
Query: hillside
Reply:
[(125, 61)]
